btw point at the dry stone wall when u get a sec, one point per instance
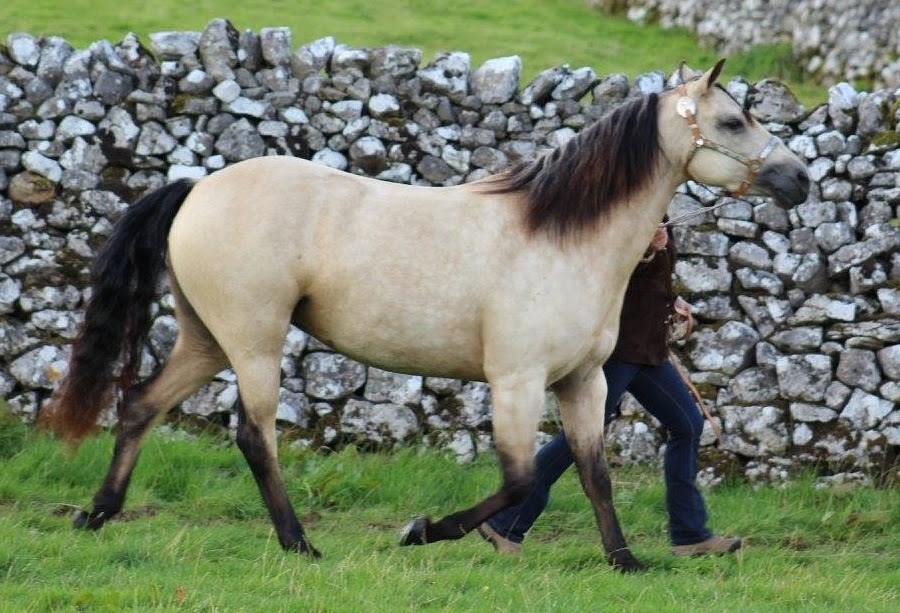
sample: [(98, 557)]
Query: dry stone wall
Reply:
[(833, 39), (798, 347)]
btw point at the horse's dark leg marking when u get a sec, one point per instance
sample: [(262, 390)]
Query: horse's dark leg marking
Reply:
[(581, 400), (516, 484), (194, 359), (518, 400), (598, 486), (135, 420), (264, 466)]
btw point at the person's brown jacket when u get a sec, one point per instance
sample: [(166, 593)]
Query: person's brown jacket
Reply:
[(647, 311)]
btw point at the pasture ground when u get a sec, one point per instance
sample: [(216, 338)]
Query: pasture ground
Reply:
[(195, 537), (544, 33)]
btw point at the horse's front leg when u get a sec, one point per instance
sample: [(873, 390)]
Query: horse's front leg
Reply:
[(582, 399), (518, 401)]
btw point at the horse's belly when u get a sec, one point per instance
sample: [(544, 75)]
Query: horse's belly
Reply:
[(402, 342)]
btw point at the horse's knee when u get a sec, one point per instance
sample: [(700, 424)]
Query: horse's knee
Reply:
[(135, 419), (250, 441), (517, 489), (135, 414), (598, 471)]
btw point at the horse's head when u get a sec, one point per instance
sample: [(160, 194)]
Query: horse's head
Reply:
[(704, 129)]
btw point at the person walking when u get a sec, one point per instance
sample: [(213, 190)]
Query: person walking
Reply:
[(640, 365)]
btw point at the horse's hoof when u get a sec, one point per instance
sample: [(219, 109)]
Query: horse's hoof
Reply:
[(414, 532), (89, 521), (301, 546), (80, 520), (625, 562)]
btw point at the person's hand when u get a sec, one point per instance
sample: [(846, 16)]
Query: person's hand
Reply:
[(660, 239), (657, 243), (682, 320), (683, 308)]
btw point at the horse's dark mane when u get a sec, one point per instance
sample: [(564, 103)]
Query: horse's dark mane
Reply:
[(574, 186)]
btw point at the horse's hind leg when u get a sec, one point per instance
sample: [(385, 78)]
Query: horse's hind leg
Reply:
[(250, 322), (582, 397), (518, 402), (195, 358), (258, 383)]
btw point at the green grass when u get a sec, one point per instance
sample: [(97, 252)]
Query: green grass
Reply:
[(195, 537), (544, 33)]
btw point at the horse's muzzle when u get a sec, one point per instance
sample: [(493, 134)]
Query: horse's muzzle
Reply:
[(788, 184)]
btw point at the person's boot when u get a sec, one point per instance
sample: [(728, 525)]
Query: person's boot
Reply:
[(500, 543), (714, 545)]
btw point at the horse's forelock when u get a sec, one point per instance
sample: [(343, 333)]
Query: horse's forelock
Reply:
[(573, 187)]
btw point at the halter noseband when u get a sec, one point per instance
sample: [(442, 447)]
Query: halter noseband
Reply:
[(687, 108)]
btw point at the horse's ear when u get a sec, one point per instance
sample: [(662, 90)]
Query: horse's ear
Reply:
[(713, 74), (682, 77)]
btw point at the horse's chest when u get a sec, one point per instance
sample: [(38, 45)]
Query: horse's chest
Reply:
[(605, 331)]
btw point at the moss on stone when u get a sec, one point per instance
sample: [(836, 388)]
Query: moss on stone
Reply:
[(179, 103), (887, 140), (31, 189)]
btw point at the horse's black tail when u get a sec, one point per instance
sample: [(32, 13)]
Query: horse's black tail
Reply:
[(117, 317)]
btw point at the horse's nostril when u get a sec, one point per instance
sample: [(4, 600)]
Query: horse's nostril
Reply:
[(803, 178)]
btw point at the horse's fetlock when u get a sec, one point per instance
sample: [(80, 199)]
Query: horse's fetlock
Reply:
[(624, 561)]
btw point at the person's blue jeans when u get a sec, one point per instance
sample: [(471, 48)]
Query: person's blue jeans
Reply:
[(664, 395)]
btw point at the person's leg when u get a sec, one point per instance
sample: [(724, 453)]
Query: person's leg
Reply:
[(552, 460), (662, 392), (619, 376)]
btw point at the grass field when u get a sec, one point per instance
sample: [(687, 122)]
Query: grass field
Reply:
[(544, 33), (195, 537)]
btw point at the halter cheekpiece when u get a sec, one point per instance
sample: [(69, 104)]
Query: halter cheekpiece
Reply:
[(686, 107)]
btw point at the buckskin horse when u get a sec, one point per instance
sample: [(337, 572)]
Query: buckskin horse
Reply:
[(516, 280)]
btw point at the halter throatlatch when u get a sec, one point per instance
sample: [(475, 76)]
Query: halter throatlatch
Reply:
[(687, 108)]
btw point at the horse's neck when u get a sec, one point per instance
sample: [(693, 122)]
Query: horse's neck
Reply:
[(610, 257), (626, 233)]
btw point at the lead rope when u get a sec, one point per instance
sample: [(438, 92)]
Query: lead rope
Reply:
[(701, 402), (706, 209), (679, 367), (709, 209), (686, 107)]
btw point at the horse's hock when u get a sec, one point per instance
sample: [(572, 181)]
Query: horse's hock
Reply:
[(798, 347)]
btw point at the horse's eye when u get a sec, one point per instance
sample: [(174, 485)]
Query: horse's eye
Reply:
[(732, 124)]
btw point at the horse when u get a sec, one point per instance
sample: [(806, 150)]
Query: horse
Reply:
[(516, 280)]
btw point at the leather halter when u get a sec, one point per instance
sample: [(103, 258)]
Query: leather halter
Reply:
[(687, 108)]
